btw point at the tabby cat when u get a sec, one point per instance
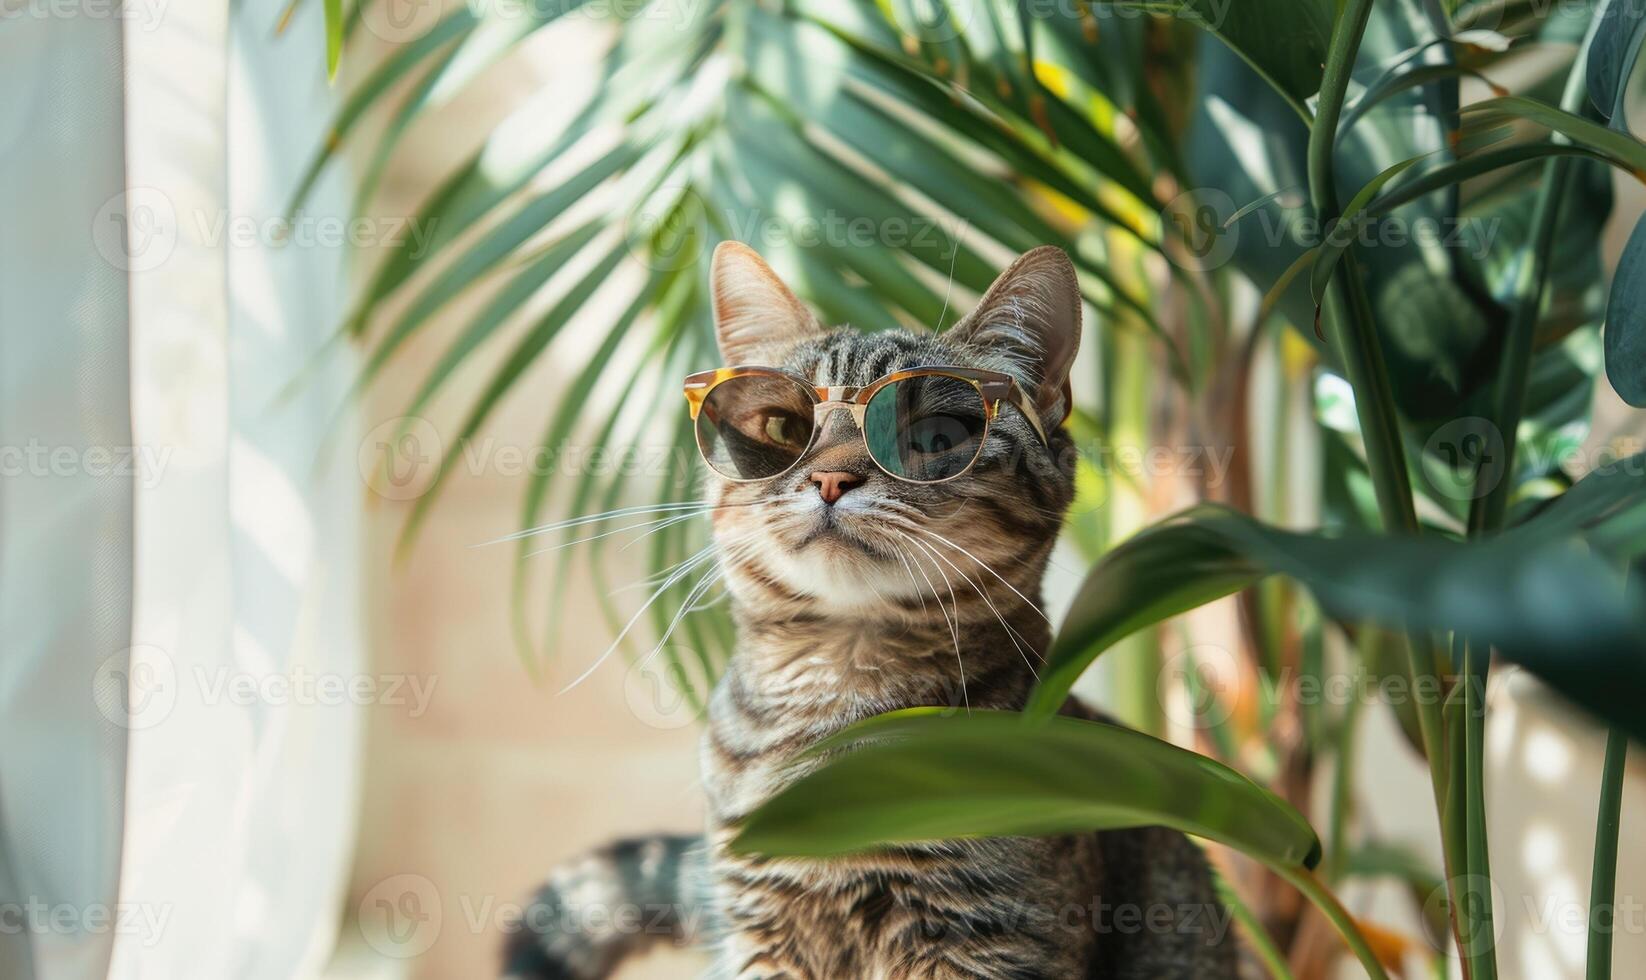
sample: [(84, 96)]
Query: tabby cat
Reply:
[(883, 537)]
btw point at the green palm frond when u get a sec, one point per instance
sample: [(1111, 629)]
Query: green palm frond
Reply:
[(730, 120)]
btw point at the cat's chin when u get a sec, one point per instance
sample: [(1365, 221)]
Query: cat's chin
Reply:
[(840, 570)]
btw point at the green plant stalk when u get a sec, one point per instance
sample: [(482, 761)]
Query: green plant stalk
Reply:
[(1477, 863), (1337, 836), (1306, 882), (1350, 330), (1603, 879), (1454, 821), (1263, 945), (1136, 660), (1487, 515), (1352, 333), (1531, 280)]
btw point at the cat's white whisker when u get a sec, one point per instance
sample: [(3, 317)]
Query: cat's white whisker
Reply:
[(685, 569), (903, 556), (954, 631), (702, 586), (984, 565), (656, 525), (1011, 634), (579, 521), (664, 573), (667, 522)]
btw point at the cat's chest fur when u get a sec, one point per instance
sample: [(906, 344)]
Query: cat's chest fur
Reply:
[(793, 685)]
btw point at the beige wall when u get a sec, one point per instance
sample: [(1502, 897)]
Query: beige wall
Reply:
[(500, 777)]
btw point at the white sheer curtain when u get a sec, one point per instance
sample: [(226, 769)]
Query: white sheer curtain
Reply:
[(65, 506), (179, 737)]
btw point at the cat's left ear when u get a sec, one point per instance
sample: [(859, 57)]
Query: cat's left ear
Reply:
[(754, 313), (1032, 315)]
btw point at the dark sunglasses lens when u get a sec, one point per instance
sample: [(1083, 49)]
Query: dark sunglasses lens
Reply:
[(925, 428), (755, 426)]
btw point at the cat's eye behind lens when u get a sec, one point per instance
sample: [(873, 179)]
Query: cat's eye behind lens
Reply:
[(926, 428), (755, 426)]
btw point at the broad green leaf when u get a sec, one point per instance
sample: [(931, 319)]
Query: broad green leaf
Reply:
[(1284, 41), (1612, 57), (1626, 322), (927, 775), (1163, 571), (1544, 595), (1246, 144)]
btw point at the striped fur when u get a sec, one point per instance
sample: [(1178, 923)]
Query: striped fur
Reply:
[(901, 595), (619, 901)]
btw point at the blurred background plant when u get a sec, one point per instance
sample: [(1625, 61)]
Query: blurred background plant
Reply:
[(1355, 246)]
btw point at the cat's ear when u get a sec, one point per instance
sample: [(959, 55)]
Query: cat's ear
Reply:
[(1032, 315), (753, 310)]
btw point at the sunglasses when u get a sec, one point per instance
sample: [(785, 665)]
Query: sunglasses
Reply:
[(923, 425)]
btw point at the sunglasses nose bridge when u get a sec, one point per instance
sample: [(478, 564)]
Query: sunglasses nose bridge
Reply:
[(824, 409)]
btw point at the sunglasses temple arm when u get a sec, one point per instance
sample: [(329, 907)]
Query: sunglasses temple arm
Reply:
[(1021, 402)]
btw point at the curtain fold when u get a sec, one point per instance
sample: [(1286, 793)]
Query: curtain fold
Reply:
[(241, 795), (178, 595), (65, 495)]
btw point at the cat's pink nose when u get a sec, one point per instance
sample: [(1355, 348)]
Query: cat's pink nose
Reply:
[(833, 484)]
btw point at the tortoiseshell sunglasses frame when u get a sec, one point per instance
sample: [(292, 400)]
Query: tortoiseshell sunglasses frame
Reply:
[(992, 387)]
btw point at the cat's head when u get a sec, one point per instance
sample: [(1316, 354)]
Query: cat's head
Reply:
[(836, 531)]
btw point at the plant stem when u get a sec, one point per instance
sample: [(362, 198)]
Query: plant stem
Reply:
[(1478, 897), (1603, 879), (1337, 844), (1352, 332), (1316, 892), (1531, 279), (1263, 945), (1487, 516)]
